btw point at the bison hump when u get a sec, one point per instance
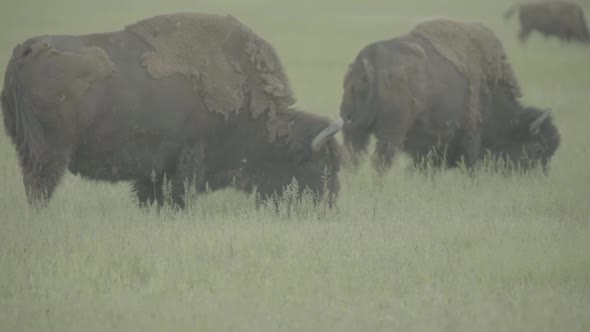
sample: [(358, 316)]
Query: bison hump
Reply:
[(472, 47), (223, 59), (475, 51)]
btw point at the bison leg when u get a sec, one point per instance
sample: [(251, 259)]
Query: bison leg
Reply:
[(356, 142), (189, 170), (189, 173), (433, 159), (41, 179), (149, 191), (391, 131), (471, 148), (383, 157)]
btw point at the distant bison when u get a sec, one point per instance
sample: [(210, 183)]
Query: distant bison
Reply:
[(562, 19), (190, 97), (445, 90)]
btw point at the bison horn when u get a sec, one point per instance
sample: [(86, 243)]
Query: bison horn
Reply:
[(326, 134), (534, 128)]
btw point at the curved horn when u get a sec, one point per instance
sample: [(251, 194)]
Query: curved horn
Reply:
[(534, 128), (326, 134)]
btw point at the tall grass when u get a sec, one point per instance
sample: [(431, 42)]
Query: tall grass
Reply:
[(410, 252)]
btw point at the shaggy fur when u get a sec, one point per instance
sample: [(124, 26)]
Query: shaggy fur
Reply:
[(562, 19), (475, 51), (221, 56), (89, 104), (412, 98)]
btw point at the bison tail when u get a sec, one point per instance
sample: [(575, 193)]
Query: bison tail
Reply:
[(21, 120), (510, 12)]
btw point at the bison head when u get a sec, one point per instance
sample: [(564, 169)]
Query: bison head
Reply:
[(380, 72), (304, 150), (532, 139), (383, 87), (358, 101)]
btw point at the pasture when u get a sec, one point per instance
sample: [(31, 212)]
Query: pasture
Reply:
[(414, 253)]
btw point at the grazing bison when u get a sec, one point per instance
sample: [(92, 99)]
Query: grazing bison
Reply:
[(187, 97), (562, 19), (446, 90)]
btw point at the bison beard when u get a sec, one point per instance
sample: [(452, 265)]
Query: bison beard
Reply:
[(139, 105), (445, 91)]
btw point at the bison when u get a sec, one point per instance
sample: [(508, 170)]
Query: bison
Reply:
[(443, 91), (190, 97), (562, 19)]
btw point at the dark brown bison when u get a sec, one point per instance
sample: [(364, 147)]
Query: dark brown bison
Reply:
[(443, 91), (194, 98), (562, 19)]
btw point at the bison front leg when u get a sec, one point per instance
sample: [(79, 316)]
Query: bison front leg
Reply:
[(356, 142), (382, 159), (391, 132), (432, 160), (149, 191), (471, 147), (189, 174)]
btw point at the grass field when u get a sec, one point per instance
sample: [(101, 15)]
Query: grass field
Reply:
[(439, 254)]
